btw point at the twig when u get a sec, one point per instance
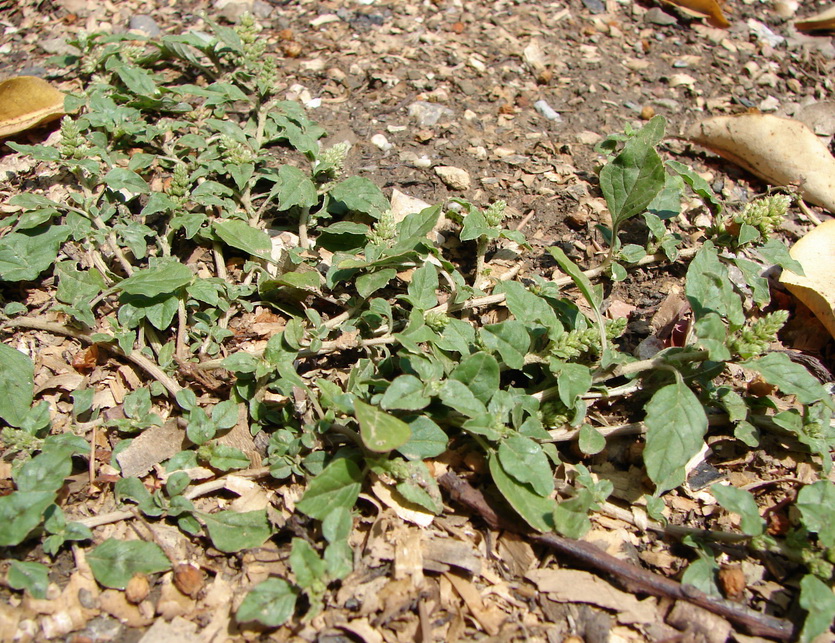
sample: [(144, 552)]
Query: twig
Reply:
[(134, 356), (637, 579), (106, 519)]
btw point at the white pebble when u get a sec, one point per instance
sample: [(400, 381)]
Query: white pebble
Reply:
[(547, 111), (378, 140)]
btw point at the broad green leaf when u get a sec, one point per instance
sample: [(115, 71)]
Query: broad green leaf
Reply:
[(225, 457), (337, 486), (271, 603), (159, 280), (17, 373), (523, 459), (295, 189), (371, 282), (45, 472), (456, 395), (405, 393), (136, 79), (698, 185), (816, 503), (308, 568), (776, 252), (573, 380), (571, 516), (380, 431), (480, 373), (33, 577), (709, 288), (423, 286), (339, 559), (115, 562), (701, 574), (120, 178), (417, 226), (534, 509), (666, 204), (20, 513), (585, 287), (510, 339), (359, 194), (428, 439), (240, 362), (233, 531), (457, 336), (25, 256), (241, 235), (740, 502), (817, 598), (526, 306), (225, 414), (789, 377), (590, 440), (713, 335), (475, 226), (634, 177), (676, 426), (337, 525)]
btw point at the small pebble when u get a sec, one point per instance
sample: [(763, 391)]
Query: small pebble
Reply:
[(427, 114), (658, 17), (454, 177), (380, 141), (145, 24), (547, 111), (647, 112)]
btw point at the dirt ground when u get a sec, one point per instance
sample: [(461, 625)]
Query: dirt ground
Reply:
[(516, 94)]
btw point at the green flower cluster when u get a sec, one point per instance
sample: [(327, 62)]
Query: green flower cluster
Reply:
[(765, 214), (73, 144), (754, 338), (578, 342), (384, 230), (494, 214)]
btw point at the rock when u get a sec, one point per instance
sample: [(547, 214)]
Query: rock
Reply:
[(657, 17), (58, 46), (547, 111), (428, 114), (380, 141), (588, 138), (454, 177), (146, 24)]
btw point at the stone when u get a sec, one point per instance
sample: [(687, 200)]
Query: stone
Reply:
[(453, 177), (146, 24)]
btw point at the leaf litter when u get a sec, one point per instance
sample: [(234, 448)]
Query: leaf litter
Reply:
[(450, 603)]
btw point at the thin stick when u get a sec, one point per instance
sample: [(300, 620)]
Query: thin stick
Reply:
[(637, 579)]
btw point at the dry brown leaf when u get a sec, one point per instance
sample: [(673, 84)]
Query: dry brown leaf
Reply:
[(823, 21), (28, 101), (816, 253), (489, 618), (780, 151), (151, 447), (708, 9)]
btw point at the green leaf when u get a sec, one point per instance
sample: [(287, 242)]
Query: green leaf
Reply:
[(634, 177), (458, 396), (120, 178), (789, 377), (676, 426), (241, 235), (701, 574), (338, 485), (816, 503), (573, 380), (585, 287), (709, 287), (295, 189), (380, 431), (590, 440), (422, 287), (233, 531), (159, 280), (776, 252), (17, 377), (136, 79), (405, 393), (271, 603), (524, 460), (698, 185), (475, 226), (571, 516), (308, 568), (480, 373), (359, 194), (240, 362), (666, 204), (526, 306), (510, 339), (428, 439), (20, 513), (817, 598), (45, 472), (417, 226), (25, 256), (33, 577), (225, 457), (371, 282), (115, 562), (534, 509), (740, 502)]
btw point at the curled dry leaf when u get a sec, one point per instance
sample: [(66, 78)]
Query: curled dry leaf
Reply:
[(816, 253), (823, 21), (709, 9), (27, 101), (780, 151)]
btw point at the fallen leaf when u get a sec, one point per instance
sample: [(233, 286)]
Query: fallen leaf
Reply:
[(708, 9), (153, 445), (574, 586), (489, 618), (28, 101), (780, 151), (823, 21), (816, 253)]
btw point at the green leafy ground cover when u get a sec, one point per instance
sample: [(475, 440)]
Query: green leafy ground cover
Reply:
[(179, 145)]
